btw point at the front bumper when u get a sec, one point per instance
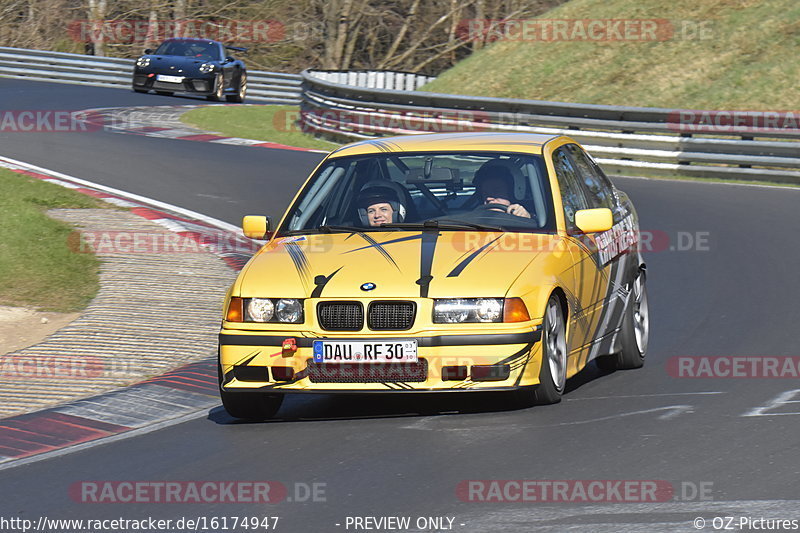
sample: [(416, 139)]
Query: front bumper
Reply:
[(203, 85), (453, 361)]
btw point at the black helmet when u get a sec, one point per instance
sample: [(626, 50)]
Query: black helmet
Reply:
[(495, 178), (381, 192)]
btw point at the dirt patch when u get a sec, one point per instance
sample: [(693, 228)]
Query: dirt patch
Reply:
[(21, 327)]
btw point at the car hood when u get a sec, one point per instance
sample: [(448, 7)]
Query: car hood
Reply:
[(162, 64), (399, 264)]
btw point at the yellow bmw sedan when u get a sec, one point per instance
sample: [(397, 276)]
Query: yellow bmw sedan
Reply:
[(440, 262)]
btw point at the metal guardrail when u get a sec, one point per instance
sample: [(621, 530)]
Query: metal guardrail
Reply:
[(374, 79), (623, 139), (274, 87)]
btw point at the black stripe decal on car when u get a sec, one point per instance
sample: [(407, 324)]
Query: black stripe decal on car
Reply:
[(428, 248), (320, 282), (463, 264)]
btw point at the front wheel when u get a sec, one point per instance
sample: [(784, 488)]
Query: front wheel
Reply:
[(219, 89), (139, 90), (238, 98), (635, 332), (553, 371), (165, 93)]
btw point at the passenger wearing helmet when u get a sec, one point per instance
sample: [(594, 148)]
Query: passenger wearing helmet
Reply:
[(495, 185), (380, 204)]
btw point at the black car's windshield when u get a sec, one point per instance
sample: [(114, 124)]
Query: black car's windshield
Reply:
[(458, 191), (208, 50)]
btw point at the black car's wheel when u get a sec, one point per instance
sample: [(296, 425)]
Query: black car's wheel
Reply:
[(553, 372), (635, 332), (241, 92), (219, 89), (251, 405), (165, 93), (139, 90)]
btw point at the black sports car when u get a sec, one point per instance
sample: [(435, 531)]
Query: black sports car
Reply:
[(197, 66)]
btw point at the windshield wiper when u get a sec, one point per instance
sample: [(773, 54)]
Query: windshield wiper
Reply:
[(442, 224)]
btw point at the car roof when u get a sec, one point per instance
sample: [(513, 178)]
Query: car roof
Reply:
[(190, 40), (530, 143)]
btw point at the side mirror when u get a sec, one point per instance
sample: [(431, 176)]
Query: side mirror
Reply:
[(148, 51), (229, 59), (256, 227), (594, 220)]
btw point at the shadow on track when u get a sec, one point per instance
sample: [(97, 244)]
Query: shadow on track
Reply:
[(298, 407)]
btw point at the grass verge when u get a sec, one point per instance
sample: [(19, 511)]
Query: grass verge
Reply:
[(273, 123), (37, 267), (713, 54)]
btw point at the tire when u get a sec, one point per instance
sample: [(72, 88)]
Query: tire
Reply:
[(139, 90), (219, 89), (251, 405), (165, 93), (241, 93), (553, 371), (635, 332)]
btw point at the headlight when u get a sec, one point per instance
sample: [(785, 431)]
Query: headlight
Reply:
[(460, 310), (283, 310), (457, 310), (259, 310), (205, 68), (489, 310), (143, 62), (289, 310), (451, 311)]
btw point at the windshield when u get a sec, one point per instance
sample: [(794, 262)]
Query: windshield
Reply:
[(195, 49), (454, 191)]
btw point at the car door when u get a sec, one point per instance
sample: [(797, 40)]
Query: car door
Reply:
[(585, 291), (609, 250)]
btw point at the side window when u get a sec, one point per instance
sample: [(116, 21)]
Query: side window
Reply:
[(568, 181), (598, 190)]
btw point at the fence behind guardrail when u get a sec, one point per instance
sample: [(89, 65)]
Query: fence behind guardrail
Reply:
[(753, 146)]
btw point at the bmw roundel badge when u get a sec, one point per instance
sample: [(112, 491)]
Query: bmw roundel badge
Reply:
[(368, 286)]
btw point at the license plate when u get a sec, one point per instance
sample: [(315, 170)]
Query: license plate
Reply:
[(169, 79), (390, 351)]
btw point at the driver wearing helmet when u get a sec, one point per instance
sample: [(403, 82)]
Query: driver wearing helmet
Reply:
[(495, 185), (380, 204)]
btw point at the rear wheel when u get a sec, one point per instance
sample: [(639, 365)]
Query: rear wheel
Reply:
[(165, 93), (251, 405), (241, 92), (635, 332), (139, 90)]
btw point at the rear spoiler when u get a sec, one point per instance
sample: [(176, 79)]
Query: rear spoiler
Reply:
[(236, 48)]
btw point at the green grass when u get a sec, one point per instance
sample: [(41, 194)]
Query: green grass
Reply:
[(37, 267), (271, 123), (748, 60)]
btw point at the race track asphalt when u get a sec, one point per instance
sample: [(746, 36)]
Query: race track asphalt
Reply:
[(732, 293)]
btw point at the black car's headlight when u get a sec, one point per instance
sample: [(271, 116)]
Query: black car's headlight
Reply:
[(205, 68), (143, 62), (465, 310), (281, 310)]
